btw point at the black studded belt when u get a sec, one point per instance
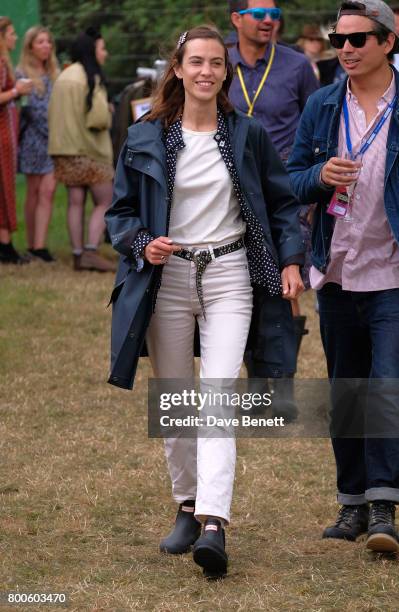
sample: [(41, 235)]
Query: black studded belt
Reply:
[(202, 257)]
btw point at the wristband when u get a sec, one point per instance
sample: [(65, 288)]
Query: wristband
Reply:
[(14, 92)]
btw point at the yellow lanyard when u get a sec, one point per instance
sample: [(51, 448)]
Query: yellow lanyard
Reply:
[(261, 84)]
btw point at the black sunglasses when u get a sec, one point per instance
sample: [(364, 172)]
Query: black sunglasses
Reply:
[(356, 39)]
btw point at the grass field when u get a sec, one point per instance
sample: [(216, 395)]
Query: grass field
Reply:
[(85, 497)]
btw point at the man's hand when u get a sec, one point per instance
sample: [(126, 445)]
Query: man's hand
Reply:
[(292, 282), (338, 171), (158, 251)]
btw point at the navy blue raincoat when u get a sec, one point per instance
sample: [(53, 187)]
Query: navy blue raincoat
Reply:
[(141, 202)]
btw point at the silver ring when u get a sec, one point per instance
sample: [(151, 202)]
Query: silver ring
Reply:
[(163, 258)]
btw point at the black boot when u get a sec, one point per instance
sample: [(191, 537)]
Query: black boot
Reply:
[(8, 254), (209, 550), (43, 254), (283, 400), (382, 535), (187, 529), (351, 522)]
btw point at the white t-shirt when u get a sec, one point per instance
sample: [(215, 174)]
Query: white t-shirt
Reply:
[(205, 209)]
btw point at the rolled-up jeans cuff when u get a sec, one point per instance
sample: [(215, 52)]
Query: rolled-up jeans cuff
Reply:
[(351, 500), (382, 493), (180, 499)]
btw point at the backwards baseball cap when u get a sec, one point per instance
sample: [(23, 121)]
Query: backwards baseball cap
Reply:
[(376, 10)]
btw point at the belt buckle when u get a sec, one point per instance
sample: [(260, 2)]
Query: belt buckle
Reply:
[(196, 253)]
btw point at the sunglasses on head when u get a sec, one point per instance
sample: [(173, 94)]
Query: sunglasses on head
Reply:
[(356, 39), (260, 13)]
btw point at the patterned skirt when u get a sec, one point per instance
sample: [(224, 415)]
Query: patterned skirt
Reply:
[(78, 170)]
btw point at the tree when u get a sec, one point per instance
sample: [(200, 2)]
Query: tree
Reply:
[(139, 31)]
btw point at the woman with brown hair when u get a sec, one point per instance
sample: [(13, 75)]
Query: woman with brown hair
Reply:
[(38, 63), (199, 193), (10, 90)]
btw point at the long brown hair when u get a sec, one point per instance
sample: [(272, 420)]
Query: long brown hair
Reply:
[(168, 102), (27, 64), (5, 22)]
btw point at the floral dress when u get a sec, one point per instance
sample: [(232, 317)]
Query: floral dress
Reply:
[(33, 132)]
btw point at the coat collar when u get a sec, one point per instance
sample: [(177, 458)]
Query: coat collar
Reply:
[(174, 136), (335, 98), (148, 137), (236, 57), (337, 92), (238, 126)]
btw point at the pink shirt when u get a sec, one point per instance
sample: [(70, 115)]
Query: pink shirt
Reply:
[(364, 255)]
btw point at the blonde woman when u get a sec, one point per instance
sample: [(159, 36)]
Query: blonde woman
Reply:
[(9, 91), (37, 62)]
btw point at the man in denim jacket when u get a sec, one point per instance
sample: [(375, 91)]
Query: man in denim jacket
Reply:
[(345, 158)]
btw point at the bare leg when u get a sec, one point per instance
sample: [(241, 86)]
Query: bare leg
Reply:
[(31, 201), (5, 236), (76, 204), (44, 209), (90, 259), (102, 196)]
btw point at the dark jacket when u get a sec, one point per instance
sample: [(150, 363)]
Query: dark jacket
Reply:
[(316, 141), (123, 116), (141, 202), (330, 71)]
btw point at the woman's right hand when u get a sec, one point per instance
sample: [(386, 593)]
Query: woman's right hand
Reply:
[(24, 86), (158, 251)]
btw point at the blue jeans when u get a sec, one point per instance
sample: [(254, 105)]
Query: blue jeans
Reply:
[(360, 335)]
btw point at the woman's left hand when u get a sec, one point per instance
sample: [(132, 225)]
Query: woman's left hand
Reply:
[(292, 282)]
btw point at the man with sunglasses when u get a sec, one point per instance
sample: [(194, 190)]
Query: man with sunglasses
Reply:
[(346, 157), (272, 83)]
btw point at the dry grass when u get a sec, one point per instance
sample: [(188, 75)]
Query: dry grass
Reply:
[(84, 494)]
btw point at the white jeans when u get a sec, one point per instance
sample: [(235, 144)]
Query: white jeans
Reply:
[(202, 468)]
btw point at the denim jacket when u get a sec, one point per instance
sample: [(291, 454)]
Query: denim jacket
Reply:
[(316, 141)]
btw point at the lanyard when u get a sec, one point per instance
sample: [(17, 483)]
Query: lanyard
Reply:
[(261, 84), (365, 146)]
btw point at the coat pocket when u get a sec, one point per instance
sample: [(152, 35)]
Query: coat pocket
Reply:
[(272, 336)]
